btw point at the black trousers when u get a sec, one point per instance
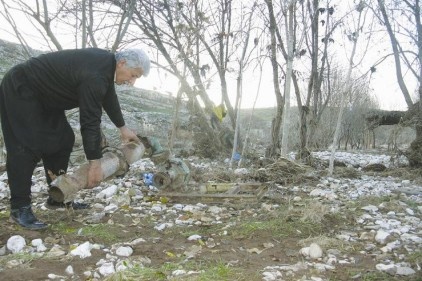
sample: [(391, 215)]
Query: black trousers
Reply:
[(31, 133)]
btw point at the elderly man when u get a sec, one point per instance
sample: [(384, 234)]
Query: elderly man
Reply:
[(33, 98)]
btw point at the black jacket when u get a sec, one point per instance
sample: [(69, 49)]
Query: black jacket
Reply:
[(77, 78)]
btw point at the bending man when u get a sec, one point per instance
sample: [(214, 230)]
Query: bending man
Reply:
[(33, 98)]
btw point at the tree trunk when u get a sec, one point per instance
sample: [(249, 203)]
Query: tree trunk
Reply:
[(290, 57), (274, 149)]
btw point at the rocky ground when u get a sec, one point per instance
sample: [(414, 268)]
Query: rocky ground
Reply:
[(358, 224)]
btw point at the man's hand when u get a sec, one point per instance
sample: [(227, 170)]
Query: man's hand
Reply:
[(95, 173), (127, 135)]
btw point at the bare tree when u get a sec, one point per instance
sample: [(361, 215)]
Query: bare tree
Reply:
[(274, 149), (242, 61), (353, 36), (290, 56), (56, 21), (407, 22)]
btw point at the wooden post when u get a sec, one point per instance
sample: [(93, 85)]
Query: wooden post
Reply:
[(113, 163)]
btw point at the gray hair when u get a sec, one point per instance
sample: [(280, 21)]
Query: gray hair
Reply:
[(135, 58)]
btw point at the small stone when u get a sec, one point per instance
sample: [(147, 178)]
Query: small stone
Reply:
[(405, 271), (410, 212), (304, 251), (381, 236), (69, 270), (315, 251), (3, 251), (56, 251), (83, 250), (388, 268), (124, 251), (106, 269), (178, 272), (194, 237), (367, 236), (370, 208), (15, 244)]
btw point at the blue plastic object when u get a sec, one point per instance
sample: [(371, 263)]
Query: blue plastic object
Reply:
[(236, 156), (148, 178)]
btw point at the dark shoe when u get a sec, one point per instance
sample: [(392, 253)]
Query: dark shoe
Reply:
[(26, 218), (51, 204)]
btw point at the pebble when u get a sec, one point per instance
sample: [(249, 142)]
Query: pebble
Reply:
[(15, 244), (124, 251), (83, 250)]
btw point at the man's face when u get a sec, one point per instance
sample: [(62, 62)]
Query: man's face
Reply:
[(126, 75)]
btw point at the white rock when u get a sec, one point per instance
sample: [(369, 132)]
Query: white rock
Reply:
[(304, 251), (215, 209), (56, 251), (124, 251), (15, 244), (106, 269), (69, 270), (163, 226), (367, 236), (111, 208), (108, 192), (122, 265), (411, 237), (241, 171), (272, 276), (317, 192), (410, 212), (36, 242), (53, 276), (14, 263), (381, 236), (3, 251), (137, 241), (315, 251), (390, 246), (156, 208), (194, 237), (405, 271), (321, 267), (178, 272), (370, 208), (388, 268), (83, 250)]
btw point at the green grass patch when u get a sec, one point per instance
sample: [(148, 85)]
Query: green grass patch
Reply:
[(415, 258), (63, 228), (202, 271), (138, 273), (24, 259), (279, 227), (4, 214), (101, 232)]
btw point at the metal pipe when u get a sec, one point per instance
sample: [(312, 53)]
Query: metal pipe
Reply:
[(114, 162)]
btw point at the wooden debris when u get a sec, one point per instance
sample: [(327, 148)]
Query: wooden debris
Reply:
[(221, 192)]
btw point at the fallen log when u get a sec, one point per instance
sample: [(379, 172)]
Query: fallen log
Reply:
[(115, 162)]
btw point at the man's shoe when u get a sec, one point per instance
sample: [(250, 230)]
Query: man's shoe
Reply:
[(26, 218), (52, 204)]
